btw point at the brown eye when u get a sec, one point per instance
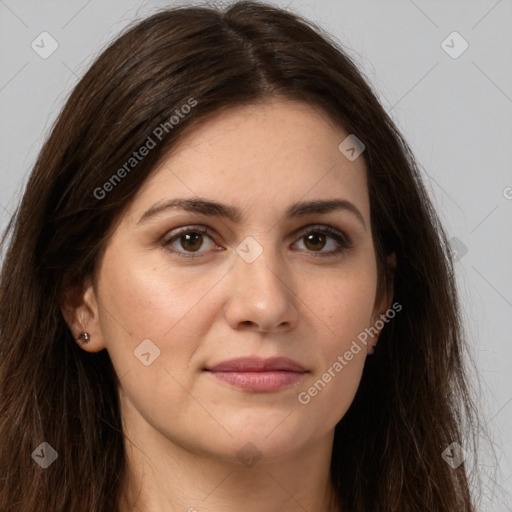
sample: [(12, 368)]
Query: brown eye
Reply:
[(191, 241), (188, 241), (315, 241)]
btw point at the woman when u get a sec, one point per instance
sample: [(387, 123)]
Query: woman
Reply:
[(221, 226)]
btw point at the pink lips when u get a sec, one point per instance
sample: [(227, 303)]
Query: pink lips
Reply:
[(259, 375)]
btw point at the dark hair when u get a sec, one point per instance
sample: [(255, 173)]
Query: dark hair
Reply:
[(414, 398)]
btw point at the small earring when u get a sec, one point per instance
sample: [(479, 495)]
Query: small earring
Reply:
[(374, 346), (84, 337)]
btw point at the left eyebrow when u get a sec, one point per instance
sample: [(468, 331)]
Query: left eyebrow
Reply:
[(216, 209)]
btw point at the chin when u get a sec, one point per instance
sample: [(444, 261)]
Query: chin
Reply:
[(276, 432)]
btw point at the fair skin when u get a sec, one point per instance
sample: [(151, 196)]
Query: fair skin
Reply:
[(184, 429)]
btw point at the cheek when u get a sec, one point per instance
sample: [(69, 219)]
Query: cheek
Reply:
[(343, 310), (350, 314), (343, 302), (329, 394), (140, 301), (146, 298)]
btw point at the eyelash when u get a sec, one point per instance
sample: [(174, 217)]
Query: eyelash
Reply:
[(343, 241)]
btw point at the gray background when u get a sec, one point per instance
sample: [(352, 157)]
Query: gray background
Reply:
[(456, 114)]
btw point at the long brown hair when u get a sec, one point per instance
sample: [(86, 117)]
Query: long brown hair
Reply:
[(414, 398)]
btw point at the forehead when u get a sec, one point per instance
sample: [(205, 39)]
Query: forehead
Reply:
[(261, 157)]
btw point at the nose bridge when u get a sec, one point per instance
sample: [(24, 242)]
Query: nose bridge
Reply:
[(260, 293), (262, 259), (260, 268)]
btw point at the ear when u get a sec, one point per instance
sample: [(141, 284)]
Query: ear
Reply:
[(79, 307), (384, 299)]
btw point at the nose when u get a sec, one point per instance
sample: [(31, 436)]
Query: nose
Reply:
[(261, 295)]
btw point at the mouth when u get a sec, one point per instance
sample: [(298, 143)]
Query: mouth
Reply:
[(258, 375)]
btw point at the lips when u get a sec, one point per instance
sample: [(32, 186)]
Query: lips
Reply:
[(256, 364), (257, 375)]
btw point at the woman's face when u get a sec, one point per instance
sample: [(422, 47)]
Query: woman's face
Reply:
[(263, 280)]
